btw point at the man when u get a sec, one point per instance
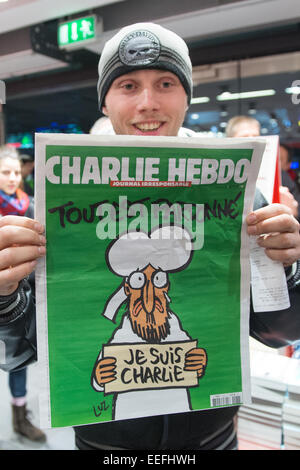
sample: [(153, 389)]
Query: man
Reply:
[(247, 126), (149, 317), (145, 86), (27, 169), (289, 177), (243, 126)]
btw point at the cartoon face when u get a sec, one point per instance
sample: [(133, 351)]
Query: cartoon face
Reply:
[(148, 301)]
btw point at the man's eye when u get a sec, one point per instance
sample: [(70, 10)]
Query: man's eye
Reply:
[(128, 86), (137, 280), (160, 279), (166, 84)]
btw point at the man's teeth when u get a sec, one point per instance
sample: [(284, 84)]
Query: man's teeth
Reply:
[(148, 126)]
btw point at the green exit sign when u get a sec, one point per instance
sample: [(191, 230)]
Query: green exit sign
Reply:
[(76, 32)]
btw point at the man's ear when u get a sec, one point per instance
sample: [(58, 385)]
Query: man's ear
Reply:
[(126, 289), (104, 111)]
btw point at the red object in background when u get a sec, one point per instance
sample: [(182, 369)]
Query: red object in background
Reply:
[(289, 351), (292, 174), (277, 180)]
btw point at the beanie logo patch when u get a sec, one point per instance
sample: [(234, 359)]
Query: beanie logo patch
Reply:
[(139, 48)]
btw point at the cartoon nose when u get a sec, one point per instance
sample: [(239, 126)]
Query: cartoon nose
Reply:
[(148, 296)]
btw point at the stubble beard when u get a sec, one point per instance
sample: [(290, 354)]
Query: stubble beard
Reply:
[(146, 326)]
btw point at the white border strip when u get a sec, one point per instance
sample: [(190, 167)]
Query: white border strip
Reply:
[(41, 288)]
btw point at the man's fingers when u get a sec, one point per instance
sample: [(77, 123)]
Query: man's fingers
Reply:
[(271, 210), (25, 222), (105, 371), (21, 243), (107, 361), (285, 240), (193, 366), (286, 257), (15, 256), (283, 247), (19, 235), (12, 276), (107, 380), (283, 222)]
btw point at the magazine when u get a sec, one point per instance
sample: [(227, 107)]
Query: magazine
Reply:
[(143, 297)]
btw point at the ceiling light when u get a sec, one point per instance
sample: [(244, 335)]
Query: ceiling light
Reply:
[(2, 1), (293, 90), (200, 99), (244, 95)]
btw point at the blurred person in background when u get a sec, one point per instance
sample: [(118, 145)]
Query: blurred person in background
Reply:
[(247, 126), (102, 126), (289, 177), (286, 158), (243, 126), (14, 201), (27, 168)]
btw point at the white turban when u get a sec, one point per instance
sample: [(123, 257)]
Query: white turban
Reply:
[(167, 248)]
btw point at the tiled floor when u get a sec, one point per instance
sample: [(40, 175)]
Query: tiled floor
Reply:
[(57, 439)]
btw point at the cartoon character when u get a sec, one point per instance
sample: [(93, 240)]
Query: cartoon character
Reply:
[(144, 261)]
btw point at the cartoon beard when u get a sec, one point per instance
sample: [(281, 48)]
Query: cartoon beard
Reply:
[(151, 327)]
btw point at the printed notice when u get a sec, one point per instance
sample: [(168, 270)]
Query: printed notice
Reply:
[(268, 281), (145, 366)]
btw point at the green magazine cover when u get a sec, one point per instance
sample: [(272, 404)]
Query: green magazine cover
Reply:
[(143, 297)]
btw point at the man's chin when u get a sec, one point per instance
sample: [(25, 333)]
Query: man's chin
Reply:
[(150, 333)]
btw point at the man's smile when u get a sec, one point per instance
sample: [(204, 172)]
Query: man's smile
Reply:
[(148, 127)]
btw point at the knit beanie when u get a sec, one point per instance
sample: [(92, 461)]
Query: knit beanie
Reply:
[(144, 46)]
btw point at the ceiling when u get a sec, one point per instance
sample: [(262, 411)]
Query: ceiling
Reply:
[(193, 20), (16, 14)]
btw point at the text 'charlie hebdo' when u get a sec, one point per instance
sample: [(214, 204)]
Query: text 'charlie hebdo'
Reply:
[(95, 170)]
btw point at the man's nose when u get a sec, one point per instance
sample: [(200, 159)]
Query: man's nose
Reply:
[(12, 176), (148, 100), (148, 296)]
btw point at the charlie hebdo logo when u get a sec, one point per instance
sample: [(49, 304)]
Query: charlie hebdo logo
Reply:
[(2, 92), (296, 96)]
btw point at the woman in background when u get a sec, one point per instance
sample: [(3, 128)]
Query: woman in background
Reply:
[(14, 201)]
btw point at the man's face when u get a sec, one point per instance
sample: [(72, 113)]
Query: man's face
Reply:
[(27, 168), (146, 102), (246, 129), (148, 302), (284, 159)]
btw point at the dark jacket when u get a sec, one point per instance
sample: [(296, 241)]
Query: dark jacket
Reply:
[(208, 429)]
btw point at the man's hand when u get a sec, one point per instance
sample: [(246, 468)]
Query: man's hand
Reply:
[(278, 232), (105, 371), (196, 359), (288, 199), (21, 244)]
